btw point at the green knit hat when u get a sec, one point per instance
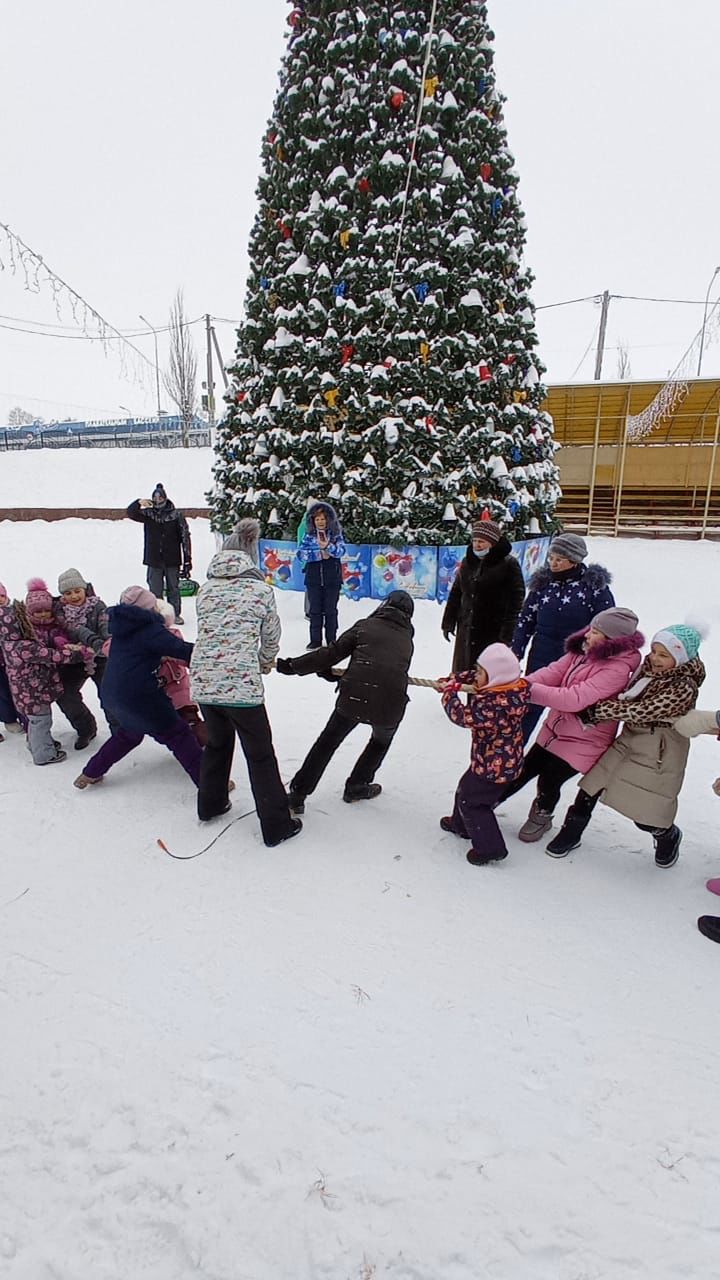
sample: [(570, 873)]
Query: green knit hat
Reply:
[(681, 641)]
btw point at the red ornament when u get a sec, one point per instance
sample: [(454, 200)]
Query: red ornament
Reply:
[(429, 423), (397, 99), (295, 18), (285, 230), (389, 362), (272, 136), (364, 186), (486, 172), (240, 397), (486, 514), (510, 359), (347, 351), (484, 371)]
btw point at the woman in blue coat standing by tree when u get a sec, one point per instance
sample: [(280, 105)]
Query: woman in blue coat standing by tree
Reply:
[(563, 598), (320, 553)]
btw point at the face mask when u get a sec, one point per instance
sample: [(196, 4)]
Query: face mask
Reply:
[(482, 554)]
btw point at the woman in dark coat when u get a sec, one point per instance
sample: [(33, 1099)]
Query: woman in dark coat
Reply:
[(130, 692), (372, 691), (486, 596), (563, 598)]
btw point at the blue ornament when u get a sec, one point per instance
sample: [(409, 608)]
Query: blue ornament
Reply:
[(496, 205), (481, 86), (516, 455), (513, 508), (340, 290), (422, 290), (383, 37), (264, 282)]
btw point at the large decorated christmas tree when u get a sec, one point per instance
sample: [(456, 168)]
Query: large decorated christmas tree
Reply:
[(387, 358)]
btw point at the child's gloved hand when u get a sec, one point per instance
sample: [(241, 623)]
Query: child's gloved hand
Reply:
[(696, 722)]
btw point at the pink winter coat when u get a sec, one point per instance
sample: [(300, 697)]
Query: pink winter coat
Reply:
[(577, 681)]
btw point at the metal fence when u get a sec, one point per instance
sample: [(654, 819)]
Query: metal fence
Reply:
[(11, 441)]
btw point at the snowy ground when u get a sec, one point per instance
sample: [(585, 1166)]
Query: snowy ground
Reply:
[(354, 1056)]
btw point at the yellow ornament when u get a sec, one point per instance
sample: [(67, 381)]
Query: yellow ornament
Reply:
[(431, 86), (331, 397), (424, 352), (500, 306), (273, 301), (472, 496), (344, 239), (519, 397), (280, 152)]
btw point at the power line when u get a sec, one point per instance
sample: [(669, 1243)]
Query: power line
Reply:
[(89, 337)]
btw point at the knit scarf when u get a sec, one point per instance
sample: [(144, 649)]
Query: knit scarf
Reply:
[(76, 614)]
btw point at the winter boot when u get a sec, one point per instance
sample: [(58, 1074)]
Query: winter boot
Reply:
[(295, 829), (59, 755), (83, 781), (361, 791), (296, 802), (84, 739), (14, 727), (710, 927), (210, 817), (713, 886), (535, 825), (446, 824), (568, 837), (667, 847), (482, 859)]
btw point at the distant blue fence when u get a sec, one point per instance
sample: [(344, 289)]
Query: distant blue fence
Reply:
[(373, 572), (134, 433)]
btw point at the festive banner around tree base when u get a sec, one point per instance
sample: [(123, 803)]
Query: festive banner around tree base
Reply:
[(372, 572)]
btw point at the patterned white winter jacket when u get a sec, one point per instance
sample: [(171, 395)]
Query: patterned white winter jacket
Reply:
[(238, 633)]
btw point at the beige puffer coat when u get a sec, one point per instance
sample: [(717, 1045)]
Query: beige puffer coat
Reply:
[(641, 774)]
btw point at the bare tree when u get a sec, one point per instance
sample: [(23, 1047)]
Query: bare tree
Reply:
[(181, 376), (18, 417), (623, 359)]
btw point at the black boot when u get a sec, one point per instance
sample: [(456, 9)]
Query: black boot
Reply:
[(576, 820), (710, 926), (361, 791), (667, 846), (296, 801)]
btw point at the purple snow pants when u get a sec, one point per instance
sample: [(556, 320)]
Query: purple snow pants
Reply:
[(473, 816), (180, 740)]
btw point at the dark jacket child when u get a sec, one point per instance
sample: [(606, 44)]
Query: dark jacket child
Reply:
[(32, 664), (320, 553), (373, 691), (494, 714), (83, 615), (641, 774), (563, 598), (599, 662), (167, 545), (130, 691), (486, 596), (8, 710)]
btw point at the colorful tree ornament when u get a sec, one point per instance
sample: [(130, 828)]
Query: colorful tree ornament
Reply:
[(340, 290), (331, 397), (397, 99), (344, 237), (421, 290), (347, 351), (424, 352), (431, 86), (486, 171), (364, 186), (519, 397), (484, 371)]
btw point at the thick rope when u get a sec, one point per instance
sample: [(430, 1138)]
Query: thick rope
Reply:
[(418, 681)]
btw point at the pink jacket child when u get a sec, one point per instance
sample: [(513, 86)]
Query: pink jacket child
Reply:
[(601, 658), (34, 652), (174, 676)]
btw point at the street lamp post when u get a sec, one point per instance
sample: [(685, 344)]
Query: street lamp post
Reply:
[(704, 323), (157, 364)]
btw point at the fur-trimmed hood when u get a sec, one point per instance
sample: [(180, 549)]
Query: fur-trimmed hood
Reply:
[(331, 516), (595, 576), (609, 648)]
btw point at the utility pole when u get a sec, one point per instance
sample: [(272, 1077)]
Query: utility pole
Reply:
[(210, 384), (157, 364), (601, 336)]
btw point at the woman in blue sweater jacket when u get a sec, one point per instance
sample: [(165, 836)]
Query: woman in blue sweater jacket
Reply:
[(320, 554), (563, 598)]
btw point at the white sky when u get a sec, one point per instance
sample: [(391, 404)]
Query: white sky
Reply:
[(129, 155)]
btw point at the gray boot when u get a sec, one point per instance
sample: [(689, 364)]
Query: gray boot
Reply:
[(535, 825)]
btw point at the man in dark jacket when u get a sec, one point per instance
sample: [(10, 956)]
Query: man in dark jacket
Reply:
[(167, 545), (486, 596), (372, 691)]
